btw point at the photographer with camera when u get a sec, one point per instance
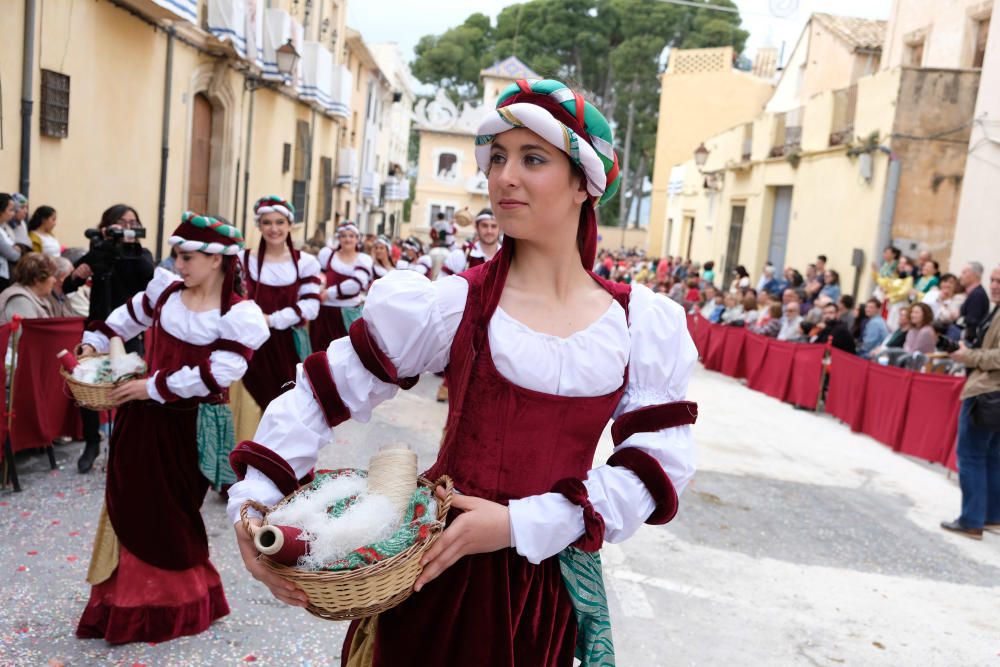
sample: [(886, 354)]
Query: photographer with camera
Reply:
[(118, 267)]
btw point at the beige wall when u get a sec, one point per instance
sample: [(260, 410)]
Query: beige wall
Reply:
[(432, 189), (977, 229), (946, 26), (694, 106)]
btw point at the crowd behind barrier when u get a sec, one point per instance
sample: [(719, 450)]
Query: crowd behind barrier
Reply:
[(911, 412)]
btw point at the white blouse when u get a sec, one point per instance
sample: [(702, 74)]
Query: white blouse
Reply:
[(424, 265), (350, 291), (50, 244), (414, 321), (243, 323), (280, 274)]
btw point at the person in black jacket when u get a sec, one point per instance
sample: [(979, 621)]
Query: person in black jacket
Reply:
[(833, 329), (117, 267), (976, 306)]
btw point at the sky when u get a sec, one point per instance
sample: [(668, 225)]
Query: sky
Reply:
[(406, 21)]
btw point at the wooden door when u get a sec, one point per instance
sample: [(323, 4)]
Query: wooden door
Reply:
[(201, 155)]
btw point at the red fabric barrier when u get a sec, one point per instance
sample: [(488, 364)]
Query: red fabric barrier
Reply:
[(845, 398), (775, 372), (754, 350), (715, 346), (5, 332), (732, 353), (807, 375), (885, 403), (931, 426), (703, 329), (42, 409)]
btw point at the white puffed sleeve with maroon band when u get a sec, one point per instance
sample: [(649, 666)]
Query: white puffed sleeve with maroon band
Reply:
[(306, 308), (134, 316)]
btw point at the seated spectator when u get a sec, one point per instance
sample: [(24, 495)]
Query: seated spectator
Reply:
[(677, 292), (750, 309), (929, 278), (921, 336), (791, 322), (28, 296), (40, 227), (815, 314), (769, 324), (845, 310), (831, 285), (793, 278), (875, 330), (832, 330), (61, 305), (733, 313), (946, 299), (767, 273), (896, 338)]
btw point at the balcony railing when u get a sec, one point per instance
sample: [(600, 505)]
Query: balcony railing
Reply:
[(397, 189)]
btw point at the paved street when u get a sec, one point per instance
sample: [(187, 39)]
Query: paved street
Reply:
[(798, 543)]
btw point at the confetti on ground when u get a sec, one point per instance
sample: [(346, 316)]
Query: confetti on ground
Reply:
[(32, 553)]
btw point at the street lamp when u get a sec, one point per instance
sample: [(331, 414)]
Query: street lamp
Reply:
[(700, 155), (287, 56)]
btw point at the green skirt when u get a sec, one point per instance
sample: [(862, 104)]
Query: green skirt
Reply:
[(216, 439)]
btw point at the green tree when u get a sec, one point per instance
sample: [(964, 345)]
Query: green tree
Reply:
[(611, 50)]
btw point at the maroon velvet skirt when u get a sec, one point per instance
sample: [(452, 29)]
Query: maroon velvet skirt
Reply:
[(272, 367), (492, 609), (326, 328), (140, 602)]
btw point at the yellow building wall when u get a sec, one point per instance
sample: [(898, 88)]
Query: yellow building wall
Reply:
[(432, 190), (692, 107)]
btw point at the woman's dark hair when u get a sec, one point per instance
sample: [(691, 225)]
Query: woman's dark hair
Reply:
[(709, 265), (115, 213), (33, 268), (741, 271), (41, 214), (4, 201), (896, 252), (836, 277)]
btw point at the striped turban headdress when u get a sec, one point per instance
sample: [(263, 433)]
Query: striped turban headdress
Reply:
[(202, 233), (560, 116), (274, 204)]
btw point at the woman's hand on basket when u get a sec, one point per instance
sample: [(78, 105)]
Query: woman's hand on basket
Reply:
[(133, 390), (482, 527), (284, 590), (84, 349)]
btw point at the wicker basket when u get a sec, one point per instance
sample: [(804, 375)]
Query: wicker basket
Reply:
[(365, 591), (93, 396)]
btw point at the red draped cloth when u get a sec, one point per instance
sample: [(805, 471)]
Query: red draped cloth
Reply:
[(754, 350), (5, 332), (885, 403), (42, 408), (714, 347), (931, 424), (732, 353), (702, 331), (807, 375), (845, 398), (774, 374)]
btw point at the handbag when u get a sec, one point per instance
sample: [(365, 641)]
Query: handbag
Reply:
[(985, 411)]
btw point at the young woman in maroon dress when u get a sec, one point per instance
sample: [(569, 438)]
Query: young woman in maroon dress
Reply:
[(285, 284), (347, 272), (157, 582), (540, 354)]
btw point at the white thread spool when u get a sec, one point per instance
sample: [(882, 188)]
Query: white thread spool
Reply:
[(393, 474), (116, 356)]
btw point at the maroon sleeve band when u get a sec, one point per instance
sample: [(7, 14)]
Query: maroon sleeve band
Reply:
[(205, 370), (275, 468), (324, 389), (226, 345), (147, 306), (163, 389), (593, 523), (340, 292), (446, 271), (310, 280), (362, 267), (310, 295), (653, 418), (374, 359), (651, 474), (131, 313), (100, 327)]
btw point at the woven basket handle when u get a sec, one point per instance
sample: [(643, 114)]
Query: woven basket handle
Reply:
[(245, 514), (449, 488)]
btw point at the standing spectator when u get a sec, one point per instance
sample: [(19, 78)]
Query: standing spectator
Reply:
[(979, 442), (40, 227), (709, 274), (921, 336), (831, 285), (794, 278), (791, 322), (833, 330), (890, 261), (875, 330), (928, 278), (9, 252), (977, 303), (663, 269), (741, 280), (896, 290), (946, 301), (29, 296)]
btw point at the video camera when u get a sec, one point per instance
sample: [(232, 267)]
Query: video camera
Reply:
[(112, 244)]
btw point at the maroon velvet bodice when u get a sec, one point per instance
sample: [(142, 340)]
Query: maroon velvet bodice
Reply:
[(272, 298), (503, 441)]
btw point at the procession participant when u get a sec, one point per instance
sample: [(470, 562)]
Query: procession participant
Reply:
[(346, 275), (381, 257), (285, 283), (480, 251), (151, 575), (540, 354), (414, 259)]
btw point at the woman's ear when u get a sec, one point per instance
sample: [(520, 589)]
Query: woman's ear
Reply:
[(581, 195)]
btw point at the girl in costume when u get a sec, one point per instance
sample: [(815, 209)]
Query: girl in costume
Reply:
[(346, 274), (414, 259), (381, 257), (152, 580), (539, 353), (285, 284)]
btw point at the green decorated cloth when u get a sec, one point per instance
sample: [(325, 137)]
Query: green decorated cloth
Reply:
[(216, 439), (350, 314), (303, 347), (581, 573)]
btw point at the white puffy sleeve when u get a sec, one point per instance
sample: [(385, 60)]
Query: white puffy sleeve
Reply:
[(454, 263), (662, 358), (135, 315), (412, 321), (243, 325), (307, 307)]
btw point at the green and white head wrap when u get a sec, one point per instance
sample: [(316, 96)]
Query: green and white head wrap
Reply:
[(202, 233)]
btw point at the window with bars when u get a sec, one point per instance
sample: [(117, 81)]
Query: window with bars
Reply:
[(980, 31), (55, 104)]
